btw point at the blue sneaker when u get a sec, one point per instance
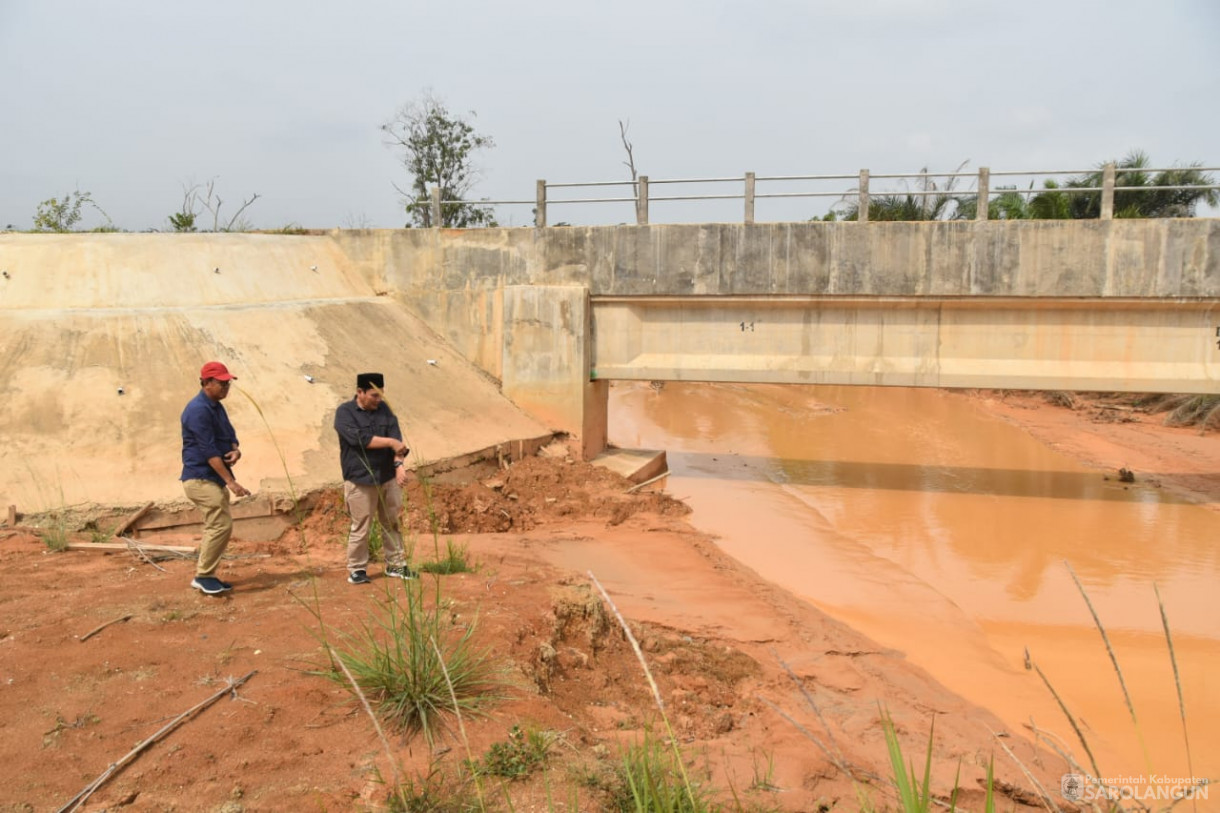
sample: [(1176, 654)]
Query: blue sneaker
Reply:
[(358, 577), (400, 572), (209, 585)]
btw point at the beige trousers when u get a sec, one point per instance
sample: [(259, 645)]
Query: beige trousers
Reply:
[(212, 500), (363, 502)]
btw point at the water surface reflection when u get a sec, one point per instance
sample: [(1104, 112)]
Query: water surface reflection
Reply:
[(943, 531)]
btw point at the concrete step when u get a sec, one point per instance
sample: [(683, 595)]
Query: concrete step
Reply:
[(637, 465)]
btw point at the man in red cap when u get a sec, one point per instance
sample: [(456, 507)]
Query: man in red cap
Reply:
[(209, 451)]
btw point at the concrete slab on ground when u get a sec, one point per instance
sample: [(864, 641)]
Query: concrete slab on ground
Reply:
[(637, 465)]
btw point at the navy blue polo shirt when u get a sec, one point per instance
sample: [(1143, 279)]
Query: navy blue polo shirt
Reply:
[(206, 433)]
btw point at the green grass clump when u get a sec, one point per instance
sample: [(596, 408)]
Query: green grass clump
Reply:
[(651, 778), (914, 795), (454, 561), (525, 751), (416, 667)]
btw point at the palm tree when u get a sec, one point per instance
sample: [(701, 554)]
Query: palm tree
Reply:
[(1132, 171), (1053, 201), (910, 206)]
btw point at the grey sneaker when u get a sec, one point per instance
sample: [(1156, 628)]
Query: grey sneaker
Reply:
[(358, 577), (209, 585), (400, 572)]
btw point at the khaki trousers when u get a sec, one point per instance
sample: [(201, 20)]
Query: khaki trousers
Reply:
[(363, 502), (212, 499)]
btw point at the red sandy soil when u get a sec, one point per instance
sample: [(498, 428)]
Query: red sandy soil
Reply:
[(775, 705)]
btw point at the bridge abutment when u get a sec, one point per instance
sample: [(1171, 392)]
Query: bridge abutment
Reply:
[(545, 365)]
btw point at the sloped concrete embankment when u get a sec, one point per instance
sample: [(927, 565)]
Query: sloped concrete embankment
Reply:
[(102, 337)]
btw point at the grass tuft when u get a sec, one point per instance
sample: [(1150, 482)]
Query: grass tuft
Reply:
[(454, 561), (914, 795), (416, 666), (525, 751)]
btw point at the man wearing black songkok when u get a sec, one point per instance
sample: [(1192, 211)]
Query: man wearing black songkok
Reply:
[(372, 455)]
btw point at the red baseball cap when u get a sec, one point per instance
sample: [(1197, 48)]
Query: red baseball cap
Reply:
[(214, 369)]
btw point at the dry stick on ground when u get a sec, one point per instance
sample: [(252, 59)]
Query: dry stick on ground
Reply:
[(649, 481), (101, 627), (79, 799)]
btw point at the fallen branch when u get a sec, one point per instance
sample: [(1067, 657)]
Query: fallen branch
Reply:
[(98, 629), (79, 799), (131, 520)]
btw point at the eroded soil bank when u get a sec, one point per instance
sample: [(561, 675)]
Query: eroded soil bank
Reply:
[(771, 699)]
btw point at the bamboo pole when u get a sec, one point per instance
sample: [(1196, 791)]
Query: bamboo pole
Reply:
[(80, 798)]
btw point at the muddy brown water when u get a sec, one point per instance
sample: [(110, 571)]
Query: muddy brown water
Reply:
[(946, 533)]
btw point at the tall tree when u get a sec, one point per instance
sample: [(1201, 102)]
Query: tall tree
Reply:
[(437, 150)]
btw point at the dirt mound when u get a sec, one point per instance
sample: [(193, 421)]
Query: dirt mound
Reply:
[(532, 492)]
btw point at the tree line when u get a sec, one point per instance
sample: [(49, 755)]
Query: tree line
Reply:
[(437, 148), (1052, 201)]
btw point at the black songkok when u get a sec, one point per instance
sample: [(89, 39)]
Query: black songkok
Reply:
[(368, 381)]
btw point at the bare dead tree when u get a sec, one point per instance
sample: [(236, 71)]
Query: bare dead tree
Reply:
[(630, 162), (235, 223)]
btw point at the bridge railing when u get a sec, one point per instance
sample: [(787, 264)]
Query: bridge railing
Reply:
[(939, 186)]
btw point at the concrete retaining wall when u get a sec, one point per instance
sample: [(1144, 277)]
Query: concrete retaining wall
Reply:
[(454, 279)]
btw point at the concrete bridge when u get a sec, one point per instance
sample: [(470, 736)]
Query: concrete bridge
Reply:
[(1116, 305), (101, 336)]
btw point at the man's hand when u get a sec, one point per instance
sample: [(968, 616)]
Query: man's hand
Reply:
[(400, 475), (232, 457), (238, 489)]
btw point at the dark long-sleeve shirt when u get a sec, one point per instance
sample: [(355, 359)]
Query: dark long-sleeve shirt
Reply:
[(206, 433), (356, 427)]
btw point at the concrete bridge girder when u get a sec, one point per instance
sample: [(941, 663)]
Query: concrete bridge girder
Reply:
[(1116, 345), (562, 346)]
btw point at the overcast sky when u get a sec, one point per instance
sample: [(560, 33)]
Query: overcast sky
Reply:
[(133, 100)]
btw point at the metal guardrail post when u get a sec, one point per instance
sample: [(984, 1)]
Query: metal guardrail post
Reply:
[(641, 201), (436, 207), (862, 215), (1107, 192), (540, 205), (983, 211), (749, 198)]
